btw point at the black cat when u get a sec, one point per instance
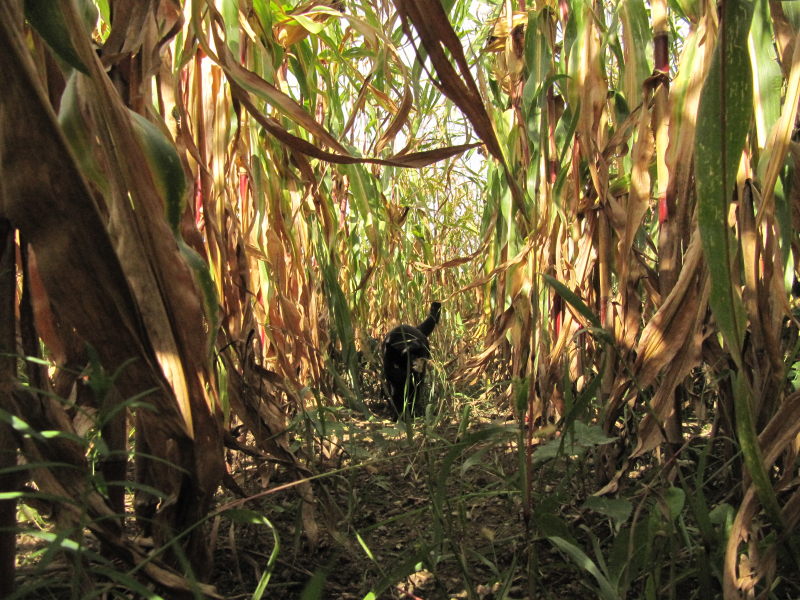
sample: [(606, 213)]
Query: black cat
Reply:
[(405, 353)]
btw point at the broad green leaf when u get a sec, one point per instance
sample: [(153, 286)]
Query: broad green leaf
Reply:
[(724, 117), (165, 165), (78, 132), (637, 37), (675, 499), (230, 14), (617, 509), (767, 76), (48, 20), (573, 442), (591, 435), (722, 514), (205, 281)]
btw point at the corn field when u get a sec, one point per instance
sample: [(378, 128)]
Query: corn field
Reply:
[(212, 211)]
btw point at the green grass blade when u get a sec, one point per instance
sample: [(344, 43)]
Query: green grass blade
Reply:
[(607, 591)]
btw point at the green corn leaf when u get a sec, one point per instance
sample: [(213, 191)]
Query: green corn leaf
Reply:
[(571, 298), (636, 34), (767, 76), (47, 19), (165, 165), (205, 281), (724, 116)]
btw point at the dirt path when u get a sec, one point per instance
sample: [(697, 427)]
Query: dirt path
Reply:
[(407, 513)]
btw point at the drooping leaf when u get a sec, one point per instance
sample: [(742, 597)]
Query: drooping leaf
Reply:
[(48, 20)]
